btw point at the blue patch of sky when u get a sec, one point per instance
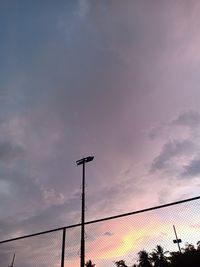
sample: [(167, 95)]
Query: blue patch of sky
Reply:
[(27, 27)]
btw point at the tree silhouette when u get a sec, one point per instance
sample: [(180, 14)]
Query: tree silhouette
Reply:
[(121, 263), (158, 257), (198, 245), (189, 257), (144, 259), (89, 264)]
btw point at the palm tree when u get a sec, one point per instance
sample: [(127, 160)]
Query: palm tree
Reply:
[(198, 245), (158, 257), (121, 263), (144, 260), (89, 264), (154, 259), (189, 248)]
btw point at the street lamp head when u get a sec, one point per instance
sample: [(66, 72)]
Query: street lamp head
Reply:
[(88, 159), (84, 160)]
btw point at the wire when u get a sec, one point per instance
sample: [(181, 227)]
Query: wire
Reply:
[(104, 219)]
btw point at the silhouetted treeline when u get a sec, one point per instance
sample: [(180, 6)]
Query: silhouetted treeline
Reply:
[(189, 257)]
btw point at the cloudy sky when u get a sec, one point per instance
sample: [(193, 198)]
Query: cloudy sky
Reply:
[(119, 80)]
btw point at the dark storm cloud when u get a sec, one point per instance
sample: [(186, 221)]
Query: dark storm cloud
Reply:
[(190, 119), (192, 169), (9, 151), (18, 187), (85, 66), (169, 151), (32, 221)]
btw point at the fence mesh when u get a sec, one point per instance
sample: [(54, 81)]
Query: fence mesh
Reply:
[(37, 251), (109, 241)]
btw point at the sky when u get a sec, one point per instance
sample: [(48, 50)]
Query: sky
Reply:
[(118, 80)]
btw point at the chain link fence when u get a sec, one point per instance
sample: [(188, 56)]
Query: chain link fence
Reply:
[(108, 240)]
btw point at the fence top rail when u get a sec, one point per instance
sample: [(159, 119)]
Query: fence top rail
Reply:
[(102, 219)]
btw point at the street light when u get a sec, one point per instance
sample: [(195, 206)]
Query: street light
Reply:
[(82, 162)]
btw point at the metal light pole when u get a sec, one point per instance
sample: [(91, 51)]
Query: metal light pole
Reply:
[(13, 259), (82, 162), (63, 248), (177, 240)]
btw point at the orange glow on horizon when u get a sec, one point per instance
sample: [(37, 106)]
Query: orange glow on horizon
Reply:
[(125, 237), (134, 240)]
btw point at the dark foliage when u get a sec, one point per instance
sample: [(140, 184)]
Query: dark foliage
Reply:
[(189, 257), (89, 264), (144, 259), (121, 263)]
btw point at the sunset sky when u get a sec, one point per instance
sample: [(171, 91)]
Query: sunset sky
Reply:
[(118, 80)]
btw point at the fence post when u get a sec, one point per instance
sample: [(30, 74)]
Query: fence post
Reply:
[(63, 248)]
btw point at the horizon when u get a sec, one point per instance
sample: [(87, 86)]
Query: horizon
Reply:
[(115, 239)]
